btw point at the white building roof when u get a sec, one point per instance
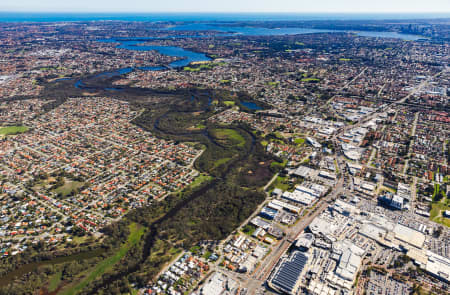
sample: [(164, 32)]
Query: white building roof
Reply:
[(438, 265), (409, 235)]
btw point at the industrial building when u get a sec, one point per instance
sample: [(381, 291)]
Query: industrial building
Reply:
[(268, 212), (299, 197), (286, 206), (327, 175)]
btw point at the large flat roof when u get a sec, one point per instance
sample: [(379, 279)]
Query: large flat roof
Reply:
[(288, 274), (409, 235), (438, 265)]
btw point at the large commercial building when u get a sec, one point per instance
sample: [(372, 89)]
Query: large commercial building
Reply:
[(438, 266), (348, 264), (287, 276), (219, 284)]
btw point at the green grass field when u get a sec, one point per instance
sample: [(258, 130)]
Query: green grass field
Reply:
[(200, 126), (278, 165), (136, 233), (200, 179), (220, 162), (278, 135), (203, 66), (227, 136), (281, 183), (299, 140), (68, 187), (437, 209), (55, 280), (310, 80), (229, 103), (189, 69), (13, 130)]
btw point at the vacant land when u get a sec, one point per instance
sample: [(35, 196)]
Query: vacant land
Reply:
[(13, 130)]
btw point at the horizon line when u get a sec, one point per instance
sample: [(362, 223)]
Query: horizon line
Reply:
[(228, 12)]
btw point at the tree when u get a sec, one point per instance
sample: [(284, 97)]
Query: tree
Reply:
[(437, 233)]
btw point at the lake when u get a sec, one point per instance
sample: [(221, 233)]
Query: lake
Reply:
[(251, 105)]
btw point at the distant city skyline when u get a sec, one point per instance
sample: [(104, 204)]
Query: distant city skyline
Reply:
[(232, 6)]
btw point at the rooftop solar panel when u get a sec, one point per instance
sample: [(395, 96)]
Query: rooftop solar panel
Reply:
[(289, 272)]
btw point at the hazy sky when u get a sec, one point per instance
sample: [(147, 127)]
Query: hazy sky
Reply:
[(371, 6)]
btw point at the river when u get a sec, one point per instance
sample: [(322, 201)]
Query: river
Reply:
[(9, 277), (261, 31), (188, 56)]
